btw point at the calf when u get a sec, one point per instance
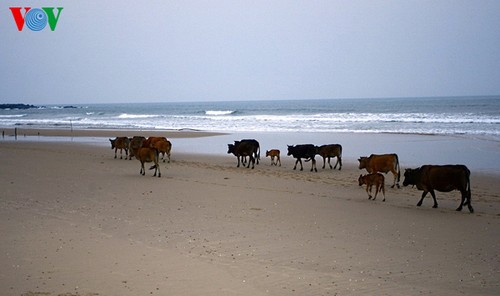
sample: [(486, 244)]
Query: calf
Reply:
[(307, 151), (376, 179), (275, 156)]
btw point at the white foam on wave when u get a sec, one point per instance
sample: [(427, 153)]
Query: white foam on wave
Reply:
[(219, 112), (136, 116), (13, 116)]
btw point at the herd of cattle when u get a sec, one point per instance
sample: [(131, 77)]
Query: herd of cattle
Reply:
[(427, 178)]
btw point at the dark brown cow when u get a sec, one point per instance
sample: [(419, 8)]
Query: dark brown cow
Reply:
[(146, 154), (275, 156), (442, 178), (120, 143), (135, 143), (330, 151), (383, 163), (376, 179), (243, 149)]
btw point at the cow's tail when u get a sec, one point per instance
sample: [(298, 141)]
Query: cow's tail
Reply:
[(399, 168), (467, 202)]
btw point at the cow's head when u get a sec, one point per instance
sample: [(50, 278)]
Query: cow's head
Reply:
[(361, 180), (362, 162), (411, 176), (112, 143), (290, 148), (230, 148)]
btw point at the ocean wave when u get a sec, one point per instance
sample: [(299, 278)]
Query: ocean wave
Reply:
[(137, 116), (219, 112), (13, 116)]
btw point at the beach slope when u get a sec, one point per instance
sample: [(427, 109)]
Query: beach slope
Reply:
[(76, 221)]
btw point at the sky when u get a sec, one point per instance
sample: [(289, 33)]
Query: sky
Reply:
[(175, 51)]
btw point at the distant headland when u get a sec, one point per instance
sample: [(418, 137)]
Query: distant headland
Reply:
[(27, 106), (17, 106)]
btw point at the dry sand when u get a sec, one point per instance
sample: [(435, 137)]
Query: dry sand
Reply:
[(76, 221)]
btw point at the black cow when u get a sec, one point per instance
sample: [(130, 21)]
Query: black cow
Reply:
[(256, 147), (307, 151), (243, 149), (442, 178)]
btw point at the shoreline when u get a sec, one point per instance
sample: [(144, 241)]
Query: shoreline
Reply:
[(479, 154), (49, 132)]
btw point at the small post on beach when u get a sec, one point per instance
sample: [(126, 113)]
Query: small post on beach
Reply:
[(3, 134), (15, 133)]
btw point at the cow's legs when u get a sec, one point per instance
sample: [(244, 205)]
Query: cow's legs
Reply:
[(369, 191), (395, 179), (465, 201), (382, 188), (422, 199), (313, 166), (143, 171), (339, 162), (298, 161), (252, 160), (434, 197)]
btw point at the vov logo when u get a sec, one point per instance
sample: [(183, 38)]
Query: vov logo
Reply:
[(36, 19)]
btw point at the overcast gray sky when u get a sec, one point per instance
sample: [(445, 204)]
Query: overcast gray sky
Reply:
[(159, 51)]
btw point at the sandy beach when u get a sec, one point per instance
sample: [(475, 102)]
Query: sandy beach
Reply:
[(76, 221)]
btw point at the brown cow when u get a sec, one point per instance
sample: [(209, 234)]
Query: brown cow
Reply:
[(146, 154), (329, 151), (381, 163), (163, 147), (442, 178), (275, 156), (376, 179), (151, 140), (120, 143), (135, 143)]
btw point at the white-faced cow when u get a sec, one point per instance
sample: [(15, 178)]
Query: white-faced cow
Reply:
[(307, 151), (376, 179), (120, 143), (383, 163), (330, 151), (442, 178)]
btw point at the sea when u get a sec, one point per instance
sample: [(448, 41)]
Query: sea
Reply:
[(474, 115)]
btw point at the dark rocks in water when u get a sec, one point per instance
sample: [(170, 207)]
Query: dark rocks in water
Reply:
[(17, 106)]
